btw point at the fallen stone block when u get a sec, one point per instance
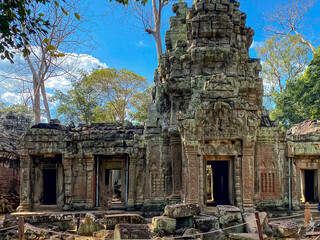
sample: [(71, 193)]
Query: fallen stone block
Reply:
[(214, 234), (104, 234), (112, 220), (251, 225), (89, 225), (205, 223), (229, 214), (246, 236), (163, 223), (182, 210), (286, 228), (191, 233), (132, 231)]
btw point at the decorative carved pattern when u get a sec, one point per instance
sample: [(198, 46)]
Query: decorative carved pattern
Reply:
[(217, 120)]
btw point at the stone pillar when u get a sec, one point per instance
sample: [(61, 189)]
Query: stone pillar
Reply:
[(237, 173), (90, 182), (176, 160), (193, 174), (67, 167), (25, 184), (248, 174), (132, 183)]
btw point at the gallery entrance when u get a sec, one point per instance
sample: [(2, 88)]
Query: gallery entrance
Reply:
[(49, 186), (309, 185), (112, 182), (218, 183)]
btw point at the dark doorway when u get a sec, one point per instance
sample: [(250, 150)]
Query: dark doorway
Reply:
[(113, 183), (309, 186), (218, 181), (49, 186)]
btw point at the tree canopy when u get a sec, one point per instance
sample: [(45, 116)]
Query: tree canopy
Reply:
[(283, 59), (301, 98), (106, 95)]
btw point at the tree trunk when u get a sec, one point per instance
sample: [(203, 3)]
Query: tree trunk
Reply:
[(45, 101), (36, 101), (157, 38)]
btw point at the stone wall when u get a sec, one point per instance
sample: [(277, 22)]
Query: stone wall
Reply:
[(12, 126), (15, 123), (82, 151)]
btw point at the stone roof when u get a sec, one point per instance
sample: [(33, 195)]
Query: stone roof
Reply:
[(8, 142), (308, 127)]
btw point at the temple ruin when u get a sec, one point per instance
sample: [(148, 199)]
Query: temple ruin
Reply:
[(12, 126), (207, 139)]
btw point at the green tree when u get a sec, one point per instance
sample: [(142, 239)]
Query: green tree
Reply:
[(283, 60), (301, 98), (17, 24), (124, 94), (106, 95), (19, 108), (79, 104)]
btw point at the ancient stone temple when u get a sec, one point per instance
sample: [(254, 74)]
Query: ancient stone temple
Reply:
[(207, 139), (12, 125)]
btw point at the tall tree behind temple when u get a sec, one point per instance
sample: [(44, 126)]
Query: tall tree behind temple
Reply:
[(301, 98), (125, 94), (290, 17), (48, 51), (283, 59), (106, 95), (148, 15)]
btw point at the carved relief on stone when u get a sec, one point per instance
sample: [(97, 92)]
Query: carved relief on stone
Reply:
[(221, 86), (140, 178), (217, 120)]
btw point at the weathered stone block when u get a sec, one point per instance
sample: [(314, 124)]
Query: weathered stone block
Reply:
[(246, 236), (89, 225), (229, 214), (284, 228), (104, 234), (191, 233), (251, 226), (165, 224), (205, 223), (214, 235), (182, 210), (113, 220), (132, 231)]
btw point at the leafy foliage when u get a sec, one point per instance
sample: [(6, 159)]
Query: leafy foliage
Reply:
[(19, 108), (301, 98), (79, 104), (16, 24), (106, 95), (283, 60)]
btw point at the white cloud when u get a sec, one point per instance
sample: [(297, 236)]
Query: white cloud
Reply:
[(14, 98), (11, 86), (256, 44), (140, 44)]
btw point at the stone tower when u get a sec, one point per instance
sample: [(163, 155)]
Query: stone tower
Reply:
[(208, 95)]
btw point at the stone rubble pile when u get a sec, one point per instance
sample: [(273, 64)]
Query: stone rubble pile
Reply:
[(179, 221)]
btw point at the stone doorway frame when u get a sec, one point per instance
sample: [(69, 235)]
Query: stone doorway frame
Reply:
[(111, 162), (303, 185), (39, 163), (231, 176)]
